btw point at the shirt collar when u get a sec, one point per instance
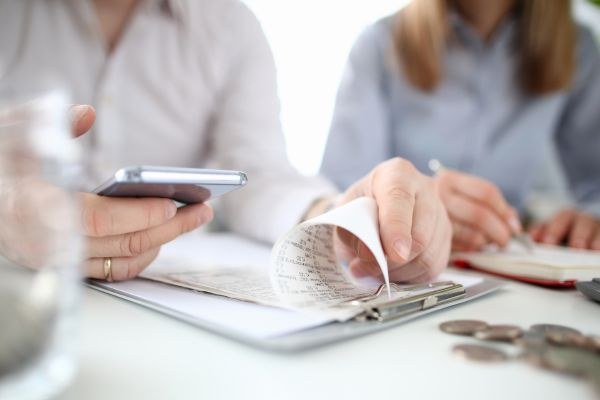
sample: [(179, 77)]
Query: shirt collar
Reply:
[(465, 32), (173, 8)]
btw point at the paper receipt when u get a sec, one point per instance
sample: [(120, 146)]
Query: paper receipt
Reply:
[(305, 272)]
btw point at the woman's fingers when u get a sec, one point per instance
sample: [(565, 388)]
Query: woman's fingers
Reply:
[(135, 243), (595, 242), (479, 205), (577, 229), (122, 268), (465, 211), (557, 229), (485, 193), (466, 238), (583, 231), (536, 231)]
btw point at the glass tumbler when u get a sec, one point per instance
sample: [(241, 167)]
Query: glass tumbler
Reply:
[(40, 246)]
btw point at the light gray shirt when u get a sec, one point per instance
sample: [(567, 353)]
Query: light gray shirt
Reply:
[(477, 120), (190, 83)]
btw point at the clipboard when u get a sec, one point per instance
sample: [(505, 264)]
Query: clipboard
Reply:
[(377, 313)]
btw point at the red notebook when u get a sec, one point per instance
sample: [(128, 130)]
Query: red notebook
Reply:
[(543, 265)]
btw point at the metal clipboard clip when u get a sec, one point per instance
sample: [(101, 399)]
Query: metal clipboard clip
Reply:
[(379, 308)]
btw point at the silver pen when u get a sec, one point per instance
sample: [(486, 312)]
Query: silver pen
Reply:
[(518, 234)]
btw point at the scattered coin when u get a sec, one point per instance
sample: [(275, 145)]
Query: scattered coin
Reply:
[(552, 327), (534, 358), (463, 327), (531, 340), (593, 343), (553, 347), (499, 332), (476, 352), (572, 360), (566, 338)]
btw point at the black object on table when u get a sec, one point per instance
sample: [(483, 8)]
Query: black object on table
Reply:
[(590, 288)]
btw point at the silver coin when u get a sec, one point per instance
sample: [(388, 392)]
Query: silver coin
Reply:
[(463, 327), (552, 327), (531, 340), (475, 352), (499, 332), (533, 357), (566, 338), (571, 360), (593, 343)]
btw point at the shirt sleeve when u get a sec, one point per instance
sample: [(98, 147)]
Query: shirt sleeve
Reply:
[(246, 135), (578, 135), (359, 137)]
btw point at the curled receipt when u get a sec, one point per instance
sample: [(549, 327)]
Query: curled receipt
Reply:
[(305, 271)]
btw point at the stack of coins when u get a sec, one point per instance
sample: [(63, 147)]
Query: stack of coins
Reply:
[(548, 346)]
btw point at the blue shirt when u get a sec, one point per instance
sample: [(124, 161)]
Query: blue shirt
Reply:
[(477, 120)]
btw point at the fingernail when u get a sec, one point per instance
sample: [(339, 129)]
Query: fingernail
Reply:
[(402, 247), (201, 219), (171, 210), (78, 112), (515, 225), (204, 216)]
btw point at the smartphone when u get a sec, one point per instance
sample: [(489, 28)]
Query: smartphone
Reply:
[(184, 185)]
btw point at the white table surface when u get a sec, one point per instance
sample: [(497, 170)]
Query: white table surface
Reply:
[(130, 352)]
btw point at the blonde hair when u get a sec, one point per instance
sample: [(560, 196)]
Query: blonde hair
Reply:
[(545, 44)]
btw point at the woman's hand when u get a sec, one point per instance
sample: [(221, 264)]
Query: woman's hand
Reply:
[(479, 213), (569, 226), (413, 225)]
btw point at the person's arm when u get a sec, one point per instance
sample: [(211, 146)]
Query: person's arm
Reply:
[(128, 231), (247, 135), (359, 136), (578, 145)]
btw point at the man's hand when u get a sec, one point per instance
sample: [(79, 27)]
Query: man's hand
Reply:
[(479, 213), (82, 118), (131, 231), (414, 228), (569, 226)]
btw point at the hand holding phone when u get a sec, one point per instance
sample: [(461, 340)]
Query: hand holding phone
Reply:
[(135, 213), (125, 234)]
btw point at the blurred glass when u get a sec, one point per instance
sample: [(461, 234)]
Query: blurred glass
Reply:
[(40, 247)]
